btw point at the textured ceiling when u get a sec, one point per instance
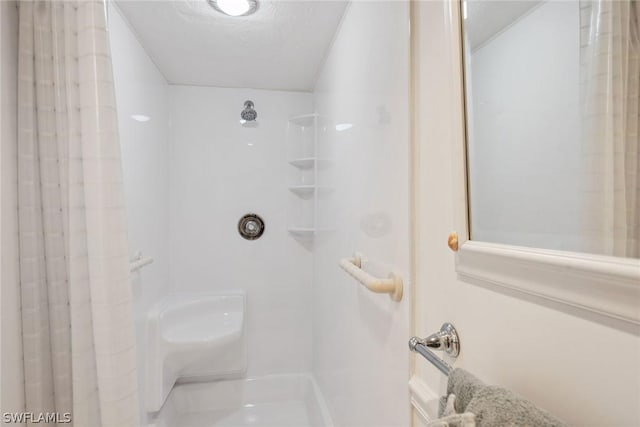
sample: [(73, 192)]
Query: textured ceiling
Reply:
[(486, 18), (281, 46)]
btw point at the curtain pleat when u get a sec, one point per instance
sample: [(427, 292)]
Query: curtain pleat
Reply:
[(79, 342), (610, 83)]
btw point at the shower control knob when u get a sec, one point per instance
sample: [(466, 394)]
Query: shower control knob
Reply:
[(251, 226)]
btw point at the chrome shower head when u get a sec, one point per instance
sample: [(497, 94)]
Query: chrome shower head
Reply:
[(248, 114)]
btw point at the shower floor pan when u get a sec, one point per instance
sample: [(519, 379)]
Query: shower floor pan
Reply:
[(292, 400)]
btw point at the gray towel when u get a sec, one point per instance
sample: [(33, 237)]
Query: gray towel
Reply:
[(494, 406), (449, 417)]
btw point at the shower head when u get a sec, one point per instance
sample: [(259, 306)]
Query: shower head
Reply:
[(248, 114)]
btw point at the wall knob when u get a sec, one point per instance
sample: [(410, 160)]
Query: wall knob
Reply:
[(452, 241), (251, 226)]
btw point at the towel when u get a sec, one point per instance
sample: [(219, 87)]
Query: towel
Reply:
[(491, 405), (449, 417)]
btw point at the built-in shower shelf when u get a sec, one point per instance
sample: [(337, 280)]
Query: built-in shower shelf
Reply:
[(303, 163), (304, 120), (309, 162), (307, 190), (303, 155), (303, 190)]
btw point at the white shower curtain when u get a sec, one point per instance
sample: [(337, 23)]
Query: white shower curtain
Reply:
[(610, 68), (78, 334)]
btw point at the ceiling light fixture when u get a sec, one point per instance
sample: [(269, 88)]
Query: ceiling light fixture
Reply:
[(234, 7)]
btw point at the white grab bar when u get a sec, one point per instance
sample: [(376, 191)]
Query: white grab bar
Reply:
[(391, 286), (139, 261)]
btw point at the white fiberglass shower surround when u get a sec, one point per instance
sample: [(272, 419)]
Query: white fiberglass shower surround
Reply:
[(251, 146)]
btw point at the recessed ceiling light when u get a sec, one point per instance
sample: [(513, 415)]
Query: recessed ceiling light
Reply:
[(235, 7)]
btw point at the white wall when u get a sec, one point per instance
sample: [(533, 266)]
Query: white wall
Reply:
[(142, 90), (580, 367), (11, 368), (221, 171), (525, 136), (360, 338)]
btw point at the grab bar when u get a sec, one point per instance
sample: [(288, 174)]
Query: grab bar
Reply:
[(391, 286), (446, 339), (138, 261)]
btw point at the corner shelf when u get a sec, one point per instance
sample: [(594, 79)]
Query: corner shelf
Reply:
[(303, 190), (306, 190), (303, 163), (302, 135)]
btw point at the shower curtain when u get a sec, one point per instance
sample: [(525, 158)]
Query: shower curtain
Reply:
[(610, 68), (77, 319)]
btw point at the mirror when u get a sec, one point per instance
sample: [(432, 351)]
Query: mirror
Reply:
[(552, 96)]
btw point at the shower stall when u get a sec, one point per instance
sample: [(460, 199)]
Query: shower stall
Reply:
[(252, 147), (202, 203)]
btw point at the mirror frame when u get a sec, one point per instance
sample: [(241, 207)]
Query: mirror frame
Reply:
[(605, 285)]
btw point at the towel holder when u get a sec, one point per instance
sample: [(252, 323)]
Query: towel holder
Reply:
[(446, 339)]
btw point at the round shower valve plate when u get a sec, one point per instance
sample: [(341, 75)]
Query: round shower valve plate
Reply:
[(251, 226)]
